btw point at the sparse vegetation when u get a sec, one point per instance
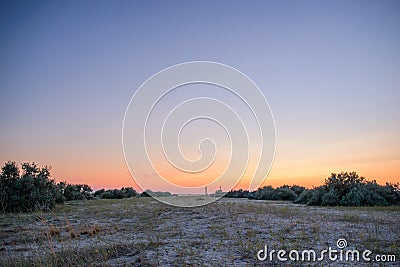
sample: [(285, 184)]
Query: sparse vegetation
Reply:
[(229, 232)]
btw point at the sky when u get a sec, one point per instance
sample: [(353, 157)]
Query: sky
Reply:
[(330, 71)]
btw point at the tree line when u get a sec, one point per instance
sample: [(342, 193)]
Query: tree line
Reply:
[(31, 188), (342, 189)]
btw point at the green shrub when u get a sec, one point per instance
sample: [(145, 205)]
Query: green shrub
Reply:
[(238, 194), (343, 182), (349, 189), (354, 198), (297, 189), (264, 192), (330, 199), (316, 196), (76, 191), (283, 193), (99, 193), (304, 197), (124, 192), (33, 190)]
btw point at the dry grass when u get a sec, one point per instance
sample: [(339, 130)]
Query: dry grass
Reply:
[(229, 232)]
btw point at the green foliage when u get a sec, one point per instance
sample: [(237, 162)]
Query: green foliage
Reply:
[(268, 193), (356, 197), (284, 192), (304, 197), (124, 192), (33, 190), (264, 193), (238, 194), (349, 189), (144, 194), (330, 199), (99, 193), (76, 191), (281, 193), (343, 182), (297, 189), (9, 171), (343, 189), (316, 196), (157, 193)]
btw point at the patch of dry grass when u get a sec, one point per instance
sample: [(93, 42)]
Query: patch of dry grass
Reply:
[(229, 232)]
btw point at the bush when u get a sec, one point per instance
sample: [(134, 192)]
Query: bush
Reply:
[(157, 193), (76, 191), (283, 193), (349, 189), (343, 182), (304, 197), (354, 198), (99, 193), (124, 192), (264, 193), (33, 190), (144, 194), (316, 196), (297, 189), (390, 193), (330, 199), (238, 194)]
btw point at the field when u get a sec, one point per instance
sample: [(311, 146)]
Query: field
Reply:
[(229, 232)]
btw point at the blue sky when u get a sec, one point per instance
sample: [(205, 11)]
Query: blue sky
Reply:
[(329, 69)]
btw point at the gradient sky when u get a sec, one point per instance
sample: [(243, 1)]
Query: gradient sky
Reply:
[(330, 71)]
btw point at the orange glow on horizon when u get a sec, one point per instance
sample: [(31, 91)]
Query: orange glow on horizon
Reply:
[(117, 178), (378, 161)]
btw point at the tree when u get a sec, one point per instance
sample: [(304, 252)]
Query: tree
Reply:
[(349, 189), (10, 171), (343, 182), (77, 192), (33, 190)]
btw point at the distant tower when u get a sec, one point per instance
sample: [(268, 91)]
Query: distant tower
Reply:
[(205, 191)]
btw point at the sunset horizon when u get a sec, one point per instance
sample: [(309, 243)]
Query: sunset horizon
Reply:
[(199, 133), (307, 181)]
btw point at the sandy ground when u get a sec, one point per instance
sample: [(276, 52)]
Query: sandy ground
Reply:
[(229, 232)]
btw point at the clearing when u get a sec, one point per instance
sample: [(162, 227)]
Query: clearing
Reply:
[(229, 232)]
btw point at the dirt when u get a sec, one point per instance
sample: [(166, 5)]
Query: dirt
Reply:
[(229, 232)]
